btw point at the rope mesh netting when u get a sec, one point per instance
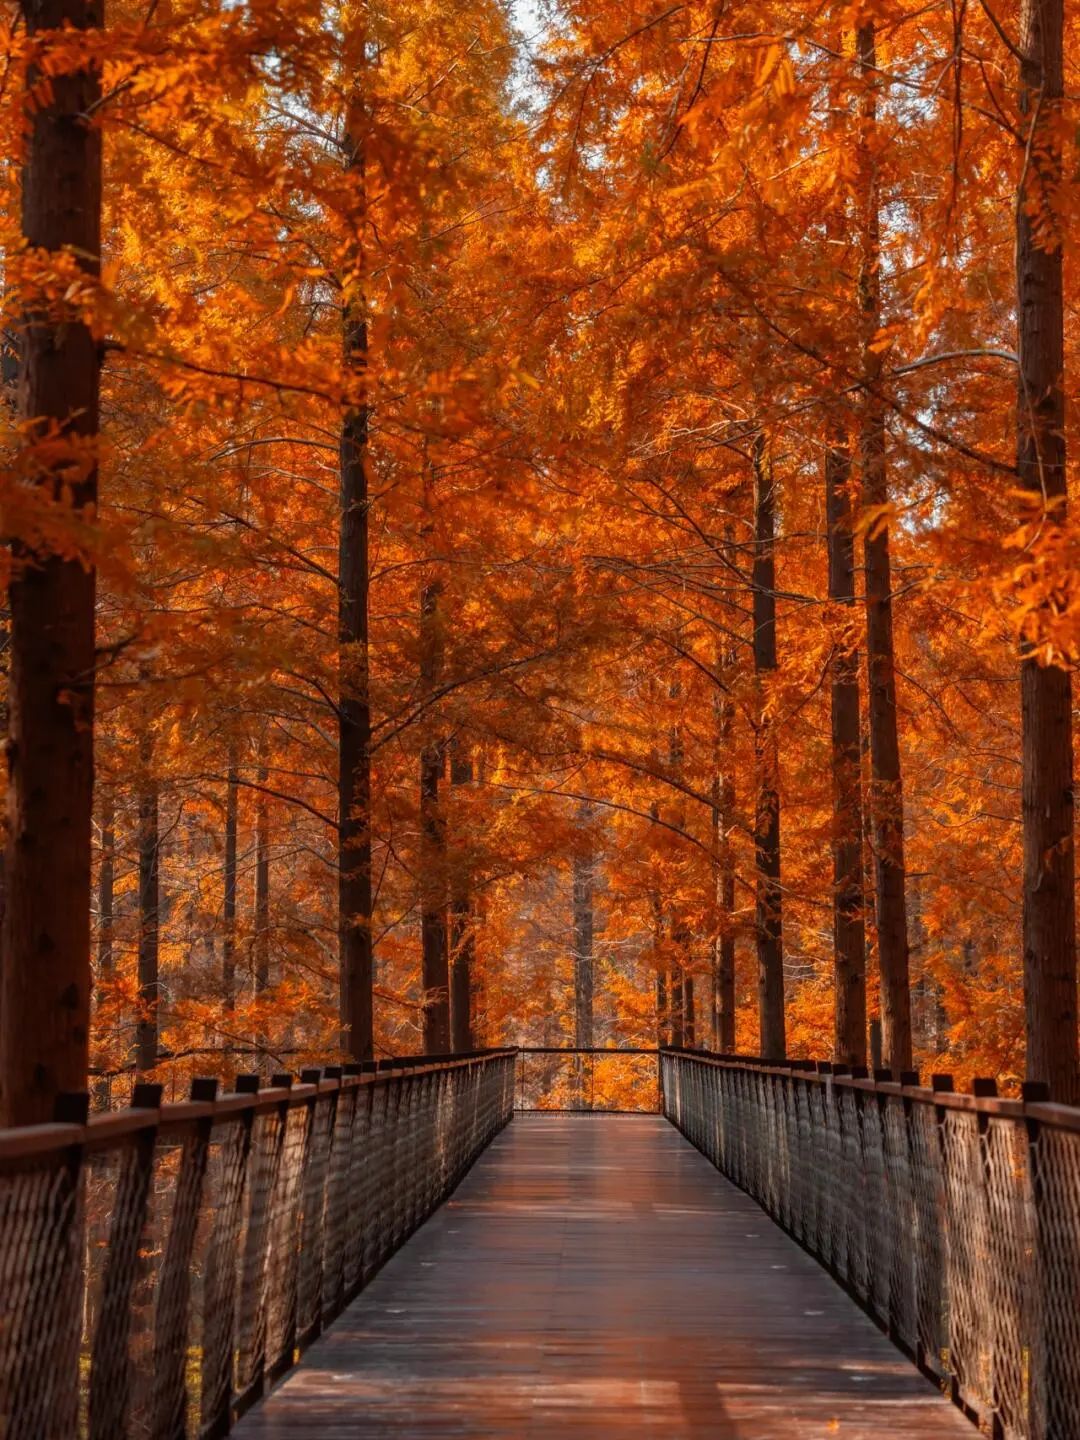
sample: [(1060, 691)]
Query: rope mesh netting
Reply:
[(954, 1220), (159, 1268)]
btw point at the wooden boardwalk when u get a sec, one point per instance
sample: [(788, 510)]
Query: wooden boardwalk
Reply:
[(595, 1276)]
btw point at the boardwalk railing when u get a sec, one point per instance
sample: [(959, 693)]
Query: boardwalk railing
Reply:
[(954, 1219), (597, 1079), (160, 1266)]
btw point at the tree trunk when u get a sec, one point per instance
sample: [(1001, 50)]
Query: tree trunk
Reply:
[(435, 970), (1049, 923), (723, 813), (434, 964), (664, 1034), (461, 930), (768, 906), (849, 940), (106, 889), (146, 1030), (682, 980), (715, 884), (727, 900), (262, 881), (106, 899), (45, 1004), (228, 939), (886, 789), (354, 705), (584, 978), (676, 1012), (434, 936), (8, 362), (689, 1017)]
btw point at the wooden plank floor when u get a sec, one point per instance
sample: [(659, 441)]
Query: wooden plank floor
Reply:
[(595, 1276)]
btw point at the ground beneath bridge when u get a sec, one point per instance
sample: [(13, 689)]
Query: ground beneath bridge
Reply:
[(595, 1276)]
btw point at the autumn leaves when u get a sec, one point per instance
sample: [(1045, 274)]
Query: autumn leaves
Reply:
[(551, 561)]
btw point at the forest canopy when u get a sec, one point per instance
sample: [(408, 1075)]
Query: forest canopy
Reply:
[(536, 525)]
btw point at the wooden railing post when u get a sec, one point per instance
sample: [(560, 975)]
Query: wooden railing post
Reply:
[(342, 1201), (110, 1361), (1040, 1405), (820, 1243), (380, 1168), (39, 1391), (932, 1291), (314, 1168), (362, 1171), (1055, 1367), (268, 1141), (173, 1310), (985, 1087), (902, 1323), (220, 1280), (285, 1234)]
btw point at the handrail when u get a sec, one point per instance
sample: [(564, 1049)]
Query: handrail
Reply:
[(938, 1092), (161, 1266), (953, 1219), (587, 1050), (112, 1125)]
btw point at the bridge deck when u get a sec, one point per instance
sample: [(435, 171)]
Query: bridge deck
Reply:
[(595, 1276)]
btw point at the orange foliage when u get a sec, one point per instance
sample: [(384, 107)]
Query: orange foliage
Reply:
[(605, 248)]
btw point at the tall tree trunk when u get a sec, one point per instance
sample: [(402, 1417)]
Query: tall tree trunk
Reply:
[(106, 900), (45, 1001), (8, 360), (461, 929), (149, 839), (682, 980), (768, 906), (106, 889), (434, 937), (886, 788), (354, 705), (715, 880), (584, 978), (228, 939), (1049, 923), (664, 1035), (723, 811), (262, 878), (849, 939), (479, 1033), (689, 1016), (676, 1013), (435, 970), (461, 948)]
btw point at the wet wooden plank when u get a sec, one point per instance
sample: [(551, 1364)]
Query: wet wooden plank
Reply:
[(595, 1276)]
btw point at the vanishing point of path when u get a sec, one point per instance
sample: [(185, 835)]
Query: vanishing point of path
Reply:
[(595, 1276)]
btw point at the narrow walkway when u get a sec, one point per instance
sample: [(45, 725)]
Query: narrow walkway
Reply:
[(595, 1276)]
